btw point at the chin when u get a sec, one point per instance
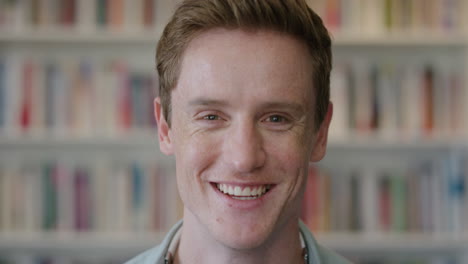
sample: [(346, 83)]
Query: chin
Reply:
[(242, 237), (242, 243)]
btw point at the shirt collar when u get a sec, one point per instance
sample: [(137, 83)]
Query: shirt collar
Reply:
[(171, 251), (169, 258)]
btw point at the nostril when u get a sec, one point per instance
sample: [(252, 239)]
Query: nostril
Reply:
[(244, 148)]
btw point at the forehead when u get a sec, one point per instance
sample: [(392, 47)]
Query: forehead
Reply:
[(255, 61)]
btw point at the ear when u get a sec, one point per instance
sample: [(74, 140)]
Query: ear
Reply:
[(164, 131), (320, 143)]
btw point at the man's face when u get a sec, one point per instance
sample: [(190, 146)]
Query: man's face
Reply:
[(242, 133)]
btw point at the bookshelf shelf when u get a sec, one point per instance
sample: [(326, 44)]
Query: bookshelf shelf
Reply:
[(62, 36), (141, 142), (373, 144), (395, 243), (146, 141), (400, 40), (132, 148), (118, 245), (112, 52), (127, 244), (77, 37)]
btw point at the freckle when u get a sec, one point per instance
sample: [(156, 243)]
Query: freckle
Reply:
[(219, 220)]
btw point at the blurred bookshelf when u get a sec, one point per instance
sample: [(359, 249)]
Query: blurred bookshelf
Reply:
[(392, 188), (81, 173)]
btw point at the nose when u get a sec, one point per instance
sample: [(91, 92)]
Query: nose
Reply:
[(244, 148)]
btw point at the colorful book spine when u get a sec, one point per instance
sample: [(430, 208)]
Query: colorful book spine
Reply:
[(115, 14), (83, 200), (399, 199), (148, 13), (86, 15), (139, 198), (355, 204), (385, 203), (310, 203), (428, 100), (81, 98), (49, 200), (393, 99), (27, 100), (50, 105), (83, 15), (3, 94), (381, 16), (68, 12), (427, 197), (101, 14)]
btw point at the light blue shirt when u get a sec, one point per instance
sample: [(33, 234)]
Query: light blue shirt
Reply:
[(317, 254)]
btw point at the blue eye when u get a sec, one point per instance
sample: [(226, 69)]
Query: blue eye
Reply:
[(211, 117), (276, 119)]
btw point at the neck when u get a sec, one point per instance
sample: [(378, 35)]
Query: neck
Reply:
[(198, 246)]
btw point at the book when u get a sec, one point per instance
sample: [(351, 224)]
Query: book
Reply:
[(86, 15), (148, 13), (28, 73), (12, 96), (102, 18), (83, 199), (38, 93), (77, 97), (393, 99), (428, 100), (115, 14), (49, 197), (65, 197), (424, 196), (376, 17), (385, 203), (67, 9), (398, 192), (340, 97), (3, 93)]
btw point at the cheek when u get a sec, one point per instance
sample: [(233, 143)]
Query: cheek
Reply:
[(290, 151), (291, 158), (195, 154)]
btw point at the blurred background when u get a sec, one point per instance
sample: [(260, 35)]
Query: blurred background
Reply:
[(82, 179)]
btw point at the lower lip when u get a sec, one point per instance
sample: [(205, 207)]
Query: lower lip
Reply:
[(242, 204)]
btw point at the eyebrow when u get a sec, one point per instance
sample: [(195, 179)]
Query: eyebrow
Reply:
[(295, 107), (298, 108), (205, 102)]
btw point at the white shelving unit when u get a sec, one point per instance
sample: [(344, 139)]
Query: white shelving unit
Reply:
[(399, 40), (355, 150), (96, 245), (148, 37), (69, 36), (127, 244), (121, 246), (408, 244)]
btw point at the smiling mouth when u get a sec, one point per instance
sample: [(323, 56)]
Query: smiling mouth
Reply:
[(243, 192)]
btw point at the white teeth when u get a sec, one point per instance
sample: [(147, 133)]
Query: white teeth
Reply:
[(237, 191), (244, 197), (247, 193), (257, 191)]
